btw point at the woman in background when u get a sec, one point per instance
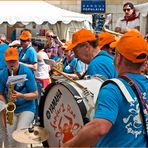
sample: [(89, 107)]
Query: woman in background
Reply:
[(42, 73), (129, 21)]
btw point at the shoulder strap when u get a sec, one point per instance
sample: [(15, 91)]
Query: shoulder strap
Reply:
[(122, 88), (133, 86), (22, 52), (64, 60), (146, 76)]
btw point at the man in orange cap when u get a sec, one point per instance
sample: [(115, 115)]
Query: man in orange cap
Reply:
[(71, 65), (118, 121), (68, 64), (105, 39), (85, 46), (27, 54), (23, 95)]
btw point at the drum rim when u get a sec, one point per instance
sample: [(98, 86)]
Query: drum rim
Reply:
[(73, 91), (41, 109)]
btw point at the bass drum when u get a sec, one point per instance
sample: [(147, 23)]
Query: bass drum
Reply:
[(63, 108)]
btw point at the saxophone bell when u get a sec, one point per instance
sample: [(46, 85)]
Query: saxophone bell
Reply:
[(10, 113)]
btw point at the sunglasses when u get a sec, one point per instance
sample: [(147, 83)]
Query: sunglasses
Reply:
[(51, 36), (128, 9), (146, 37), (24, 40)]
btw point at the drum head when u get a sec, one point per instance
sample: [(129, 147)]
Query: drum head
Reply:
[(61, 112)]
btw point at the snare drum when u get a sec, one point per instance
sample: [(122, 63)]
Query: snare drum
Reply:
[(63, 108)]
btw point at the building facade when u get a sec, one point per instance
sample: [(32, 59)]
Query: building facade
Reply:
[(75, 5), (113, 7)]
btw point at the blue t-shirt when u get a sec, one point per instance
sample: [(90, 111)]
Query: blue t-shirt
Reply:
[(56, 58), (3, 48), (29, 55), (74, 63), (25, 87), (127, 129), (102, 64)]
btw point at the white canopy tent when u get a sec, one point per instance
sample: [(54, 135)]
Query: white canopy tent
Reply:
[(143, 10), (59, 20)]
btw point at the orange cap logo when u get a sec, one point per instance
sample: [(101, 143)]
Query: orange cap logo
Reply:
[(25, 35), (11, 54)]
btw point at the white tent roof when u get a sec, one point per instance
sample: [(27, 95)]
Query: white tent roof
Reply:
[(143, 8), (38, 12)]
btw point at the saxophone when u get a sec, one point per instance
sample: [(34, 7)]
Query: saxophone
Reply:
[(11, 106)]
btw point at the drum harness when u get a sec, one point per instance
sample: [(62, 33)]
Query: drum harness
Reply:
[(129, 98)]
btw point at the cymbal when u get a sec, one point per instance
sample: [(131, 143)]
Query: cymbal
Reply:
[(33, 135)]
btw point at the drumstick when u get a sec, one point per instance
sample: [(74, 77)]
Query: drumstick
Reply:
[(70, 79)]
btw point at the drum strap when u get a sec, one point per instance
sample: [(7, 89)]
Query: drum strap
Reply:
[(91, 104), (122, 88)]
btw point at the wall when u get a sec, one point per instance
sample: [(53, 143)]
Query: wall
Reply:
[(75, 5), (112, 6), (3, 29)]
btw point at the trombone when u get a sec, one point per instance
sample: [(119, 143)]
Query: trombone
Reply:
[(106, 23), (111, 32)]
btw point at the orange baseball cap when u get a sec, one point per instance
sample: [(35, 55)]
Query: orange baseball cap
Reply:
[(133, 47), (11, 54), (25, 35), (66, 45), (113, 44), (81, 36), (105, 38)]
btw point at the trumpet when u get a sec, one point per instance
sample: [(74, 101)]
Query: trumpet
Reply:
[(10, 106)]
